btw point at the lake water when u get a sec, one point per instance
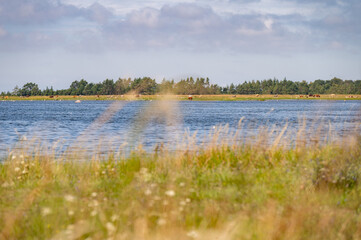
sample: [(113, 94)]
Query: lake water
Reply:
[(130, 123)]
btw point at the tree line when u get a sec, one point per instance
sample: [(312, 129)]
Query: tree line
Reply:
[(195, 86)]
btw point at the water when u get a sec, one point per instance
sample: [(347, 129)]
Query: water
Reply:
[(152, 122)]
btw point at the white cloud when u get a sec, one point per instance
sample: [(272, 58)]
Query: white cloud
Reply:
[(148, 17), (193, 25), (268, 23)]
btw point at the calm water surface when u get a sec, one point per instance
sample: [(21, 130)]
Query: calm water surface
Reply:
[(150, 123)]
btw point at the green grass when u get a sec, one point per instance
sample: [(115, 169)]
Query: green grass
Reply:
[(220, 192), (223, 97)]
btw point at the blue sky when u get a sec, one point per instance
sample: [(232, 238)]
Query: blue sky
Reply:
[(54, 42)]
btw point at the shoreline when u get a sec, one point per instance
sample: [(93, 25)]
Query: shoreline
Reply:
[(183, 97)]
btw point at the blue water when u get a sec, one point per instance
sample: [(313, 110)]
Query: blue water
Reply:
[(150, 123)]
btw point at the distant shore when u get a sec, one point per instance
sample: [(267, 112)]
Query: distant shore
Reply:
[(222, 97)]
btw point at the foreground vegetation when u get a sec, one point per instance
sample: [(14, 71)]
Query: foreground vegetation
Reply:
[(222, 97), (222, 191)]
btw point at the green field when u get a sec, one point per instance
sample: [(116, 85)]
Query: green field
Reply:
[(222, 191), (130, 97)]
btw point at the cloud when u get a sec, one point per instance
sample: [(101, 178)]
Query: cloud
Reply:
[(193, 27), (253, 26), (34, 12)]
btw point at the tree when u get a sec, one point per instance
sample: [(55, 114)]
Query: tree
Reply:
[(144, 85), (16, 91), (232, 89), (122, 86), (108, 87), (30, 89), (303, 87), (78, 87)]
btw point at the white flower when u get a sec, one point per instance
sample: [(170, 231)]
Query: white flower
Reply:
[(182, 184), (71, 213), (114, 218), (192, 234), (45, 211), (94, 194), (148, 192), (170, 193), (110, 227), (161, 222), (17, 169), (93, 213), (69, 198)]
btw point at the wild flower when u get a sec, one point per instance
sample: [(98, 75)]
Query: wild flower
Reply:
[(161, 221), (45, 211), (148, 192), (69, 198), (170, 193), (114, 218), (110, 227), (182, 184), (94, 194), (70, 212), (192, 234), (17, 169), (93, 213)]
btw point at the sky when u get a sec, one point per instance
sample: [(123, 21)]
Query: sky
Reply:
[(55, 42)]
